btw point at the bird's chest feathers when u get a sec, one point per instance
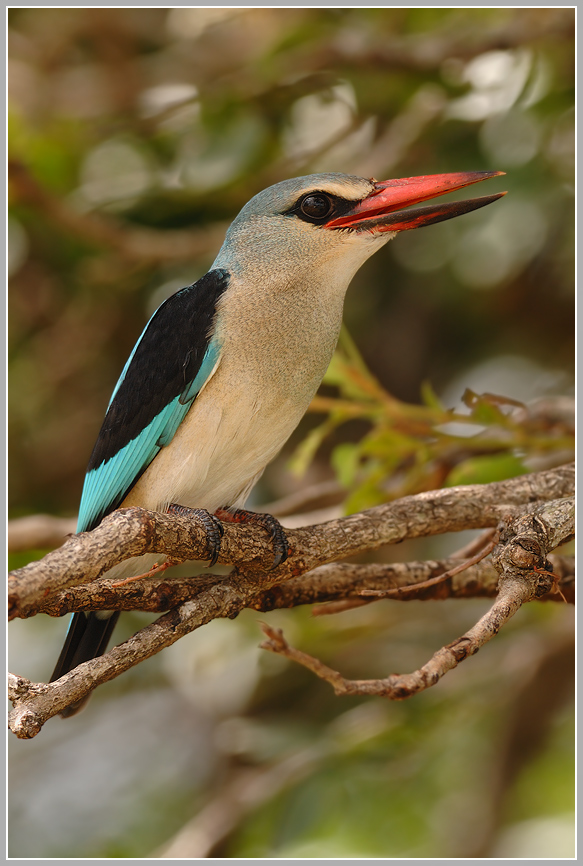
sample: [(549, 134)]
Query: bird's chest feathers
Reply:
[(273, 355), (279, 342)]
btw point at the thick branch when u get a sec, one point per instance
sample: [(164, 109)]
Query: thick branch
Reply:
[(340, 581), (425, 514), (35, 703), (133, 531)]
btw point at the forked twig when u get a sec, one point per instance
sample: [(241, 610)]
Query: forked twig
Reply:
[(397, 687), (525, 573)]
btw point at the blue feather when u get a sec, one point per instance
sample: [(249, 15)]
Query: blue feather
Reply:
[(107, 485)]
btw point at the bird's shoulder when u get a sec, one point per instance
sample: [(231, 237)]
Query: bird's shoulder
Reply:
[(167, 359), (173, 359)]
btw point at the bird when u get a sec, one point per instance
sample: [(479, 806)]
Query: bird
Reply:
[(225, 368)]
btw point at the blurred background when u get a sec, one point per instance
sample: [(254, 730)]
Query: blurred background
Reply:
[(135, 136)]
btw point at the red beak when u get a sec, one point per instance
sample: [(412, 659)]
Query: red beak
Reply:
[(379, 211)]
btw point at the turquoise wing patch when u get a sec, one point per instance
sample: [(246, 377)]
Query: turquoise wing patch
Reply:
[(107, 485)]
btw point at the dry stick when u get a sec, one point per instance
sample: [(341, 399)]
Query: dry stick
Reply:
[(35, 703), (401, 686), (414, 589), (223, 600), (422, 514), (245, 791), (525, 573), (134, 244)]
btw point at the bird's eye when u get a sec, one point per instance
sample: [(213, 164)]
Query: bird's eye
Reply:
[(316, 206)]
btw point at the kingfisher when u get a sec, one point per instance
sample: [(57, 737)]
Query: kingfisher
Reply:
[(225, 368)]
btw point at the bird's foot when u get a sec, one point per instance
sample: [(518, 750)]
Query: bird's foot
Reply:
[(270, 523), (211, 523)]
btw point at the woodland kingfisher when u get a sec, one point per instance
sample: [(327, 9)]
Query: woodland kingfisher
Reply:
[(226, 368)]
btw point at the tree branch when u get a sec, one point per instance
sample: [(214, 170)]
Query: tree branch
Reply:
[(40, 531), (525, 573), (335, 583), (144, 245), (132, 532)]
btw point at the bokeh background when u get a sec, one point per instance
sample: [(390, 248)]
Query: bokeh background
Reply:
[(135, 136)]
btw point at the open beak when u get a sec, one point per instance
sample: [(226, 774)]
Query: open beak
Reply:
[(380, 211)]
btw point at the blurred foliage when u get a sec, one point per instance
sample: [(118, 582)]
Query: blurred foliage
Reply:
[(411, 448), (135, 136)]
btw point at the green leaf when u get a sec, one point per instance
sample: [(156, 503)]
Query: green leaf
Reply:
[(367, 495), (390, 445), (345, 461), (430, 398), (306, 450), (483, 470), (336, 372), (345, 375)]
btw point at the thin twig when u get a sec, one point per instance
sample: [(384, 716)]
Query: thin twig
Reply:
[(397, 687), (525, 573), (475, 545), (416, 588)]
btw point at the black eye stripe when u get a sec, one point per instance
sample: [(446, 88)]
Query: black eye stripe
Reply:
[(330, 206)]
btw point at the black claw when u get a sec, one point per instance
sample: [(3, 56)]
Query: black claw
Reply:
[(270, 523), (278, 537), (212, 524)]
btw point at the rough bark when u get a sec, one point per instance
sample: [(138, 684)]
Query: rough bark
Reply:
[(535, 514)]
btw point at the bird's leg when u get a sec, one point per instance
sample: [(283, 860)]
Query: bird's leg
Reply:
[(157, 568), (270, 523), (211, 523)]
